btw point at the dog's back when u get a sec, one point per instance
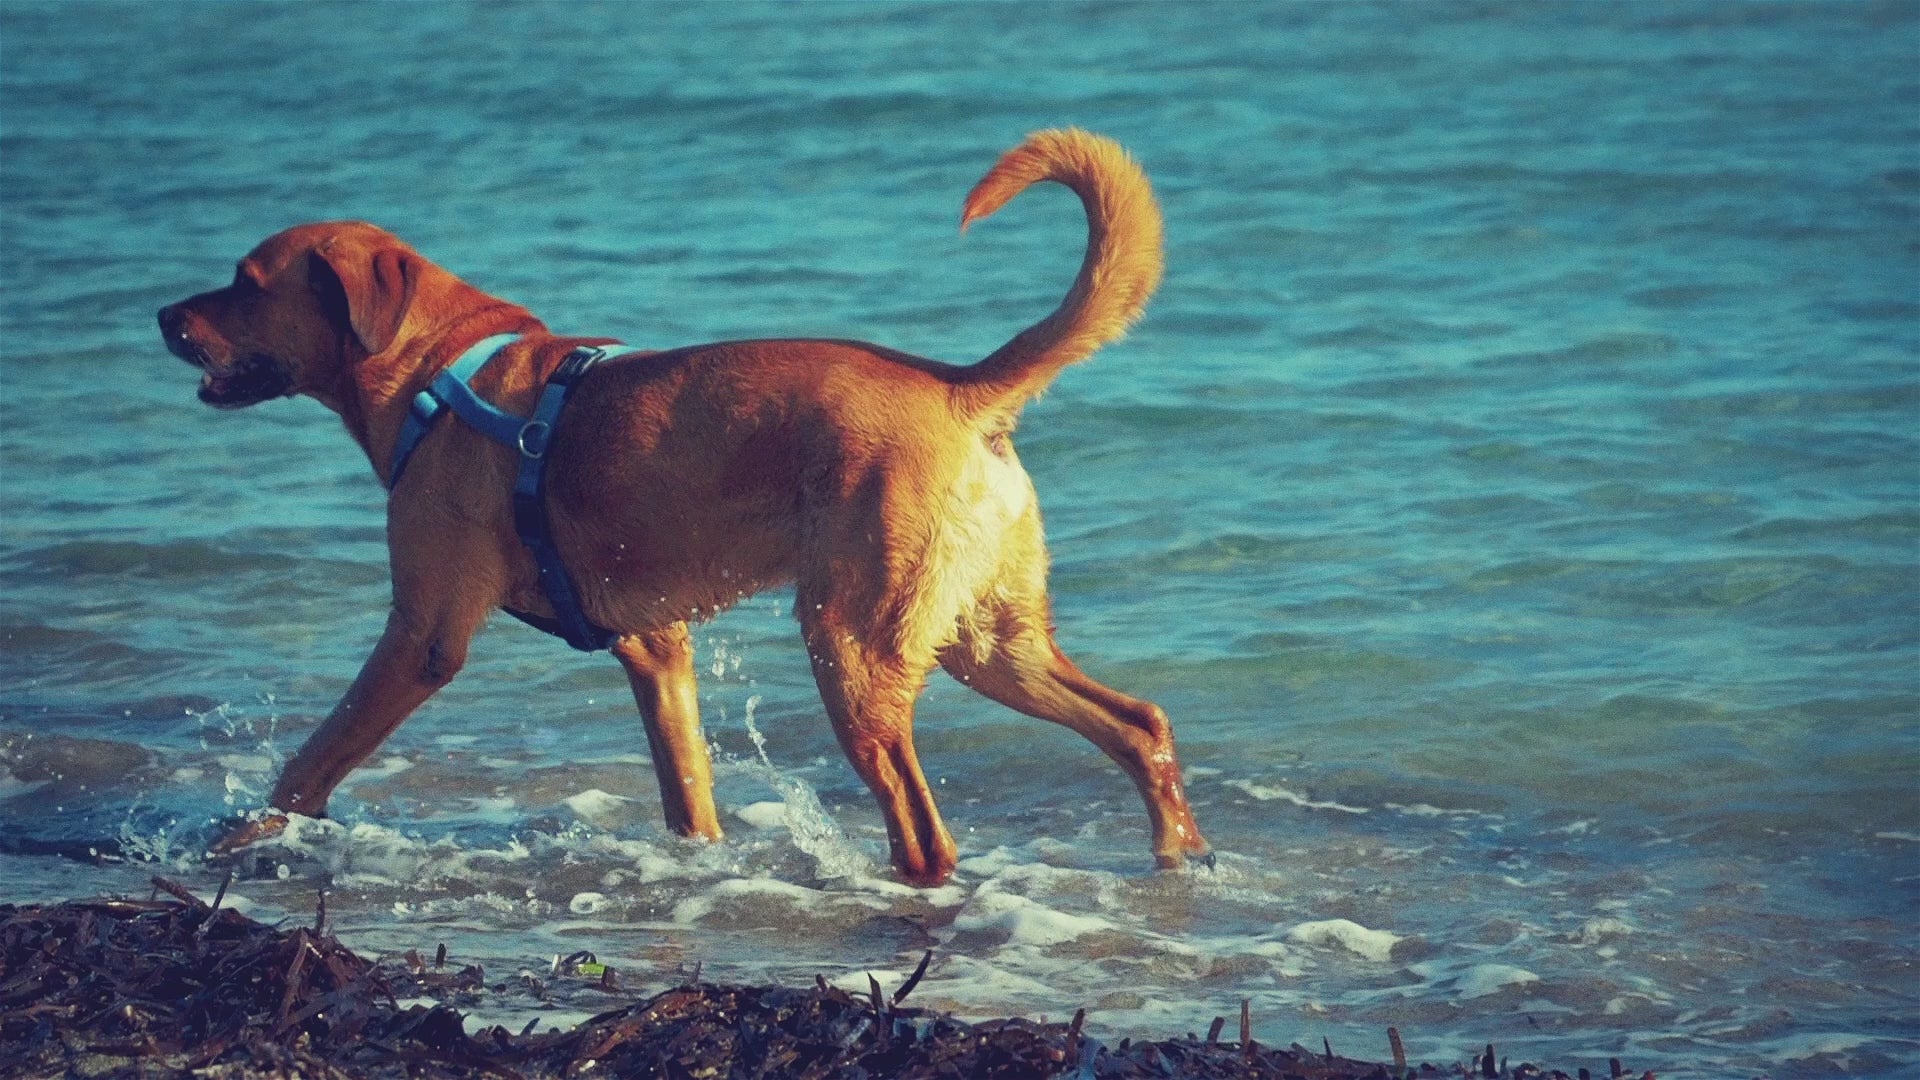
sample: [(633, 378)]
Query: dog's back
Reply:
[(746, 464)]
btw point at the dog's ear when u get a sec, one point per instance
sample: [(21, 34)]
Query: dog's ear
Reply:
[(369, 291)]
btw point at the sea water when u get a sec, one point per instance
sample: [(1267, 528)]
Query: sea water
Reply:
[(1511, 495)]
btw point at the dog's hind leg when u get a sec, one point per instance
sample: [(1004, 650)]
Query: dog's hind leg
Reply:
[(869, 694), (1022, 668), (659, 664)]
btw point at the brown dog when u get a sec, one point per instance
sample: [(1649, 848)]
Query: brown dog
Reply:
[(882, 485)]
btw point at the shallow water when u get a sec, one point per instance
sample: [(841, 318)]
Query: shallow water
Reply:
[(1511, 494)]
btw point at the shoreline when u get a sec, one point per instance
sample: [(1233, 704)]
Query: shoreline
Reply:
[(175, 986)]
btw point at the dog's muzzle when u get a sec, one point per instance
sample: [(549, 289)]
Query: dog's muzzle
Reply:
[(247, 380), (173, 331)]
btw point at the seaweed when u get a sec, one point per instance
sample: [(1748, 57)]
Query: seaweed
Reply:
[(178, 987)]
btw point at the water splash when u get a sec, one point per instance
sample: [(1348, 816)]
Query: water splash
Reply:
[(171, 842), (835, 854), (244, 747)]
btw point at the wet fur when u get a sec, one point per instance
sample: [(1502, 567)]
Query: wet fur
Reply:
[(883, 486)]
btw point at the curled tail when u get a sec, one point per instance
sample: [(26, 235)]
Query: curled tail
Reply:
[(1120, 271)]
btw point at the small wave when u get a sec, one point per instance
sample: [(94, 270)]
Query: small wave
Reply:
[(1677, 297), (1778, 405), (45, 656), (1473, 980), (1375, 945), (782, 275), (1275, 793), (170, 560), (1603, 351), (1238, 551), (1899, 527)]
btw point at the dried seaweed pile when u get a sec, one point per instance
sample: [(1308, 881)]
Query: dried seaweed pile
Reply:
[(113, 988), (128, 987)]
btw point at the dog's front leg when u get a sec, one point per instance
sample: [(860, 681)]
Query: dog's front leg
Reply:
[(414, 658), (659, 664), (409, 664)]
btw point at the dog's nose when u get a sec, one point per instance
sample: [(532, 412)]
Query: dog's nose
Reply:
[(174, 320)]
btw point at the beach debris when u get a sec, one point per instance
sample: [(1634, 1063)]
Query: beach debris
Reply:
[(913, 980), (178, 987)]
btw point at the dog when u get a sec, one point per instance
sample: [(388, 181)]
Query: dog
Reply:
[(884, 487)]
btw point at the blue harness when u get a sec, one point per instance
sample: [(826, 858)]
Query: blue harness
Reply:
[(529, 436)]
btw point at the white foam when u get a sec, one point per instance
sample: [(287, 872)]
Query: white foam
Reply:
[(989, 863), (1475, 981), (367, 854), (651, 864), (1483, 979), (1024, 920), (596, 807), (499, 809), (765, 895), (1272, 793), (1835, 1044), (1621, 1004), (952, 894), (391, 765), (586, 903), (1376, 945), (1595, 931), (770, 814), (1428, 810)]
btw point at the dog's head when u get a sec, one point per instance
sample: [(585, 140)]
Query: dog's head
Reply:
[(304, 308)]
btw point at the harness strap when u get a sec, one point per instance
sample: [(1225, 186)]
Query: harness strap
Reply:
[(448, 387), (530, 505), (529, 437)]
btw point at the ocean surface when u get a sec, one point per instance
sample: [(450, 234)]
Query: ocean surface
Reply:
[(1513, 495)]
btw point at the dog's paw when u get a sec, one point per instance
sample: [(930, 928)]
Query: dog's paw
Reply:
[(1188, 859), (248, 831)]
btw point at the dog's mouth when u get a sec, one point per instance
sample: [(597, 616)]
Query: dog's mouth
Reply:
[(189, 350), (253, 378), (228, 384)]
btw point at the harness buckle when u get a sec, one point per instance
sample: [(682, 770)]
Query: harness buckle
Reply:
[(576, 364), (532, 440)]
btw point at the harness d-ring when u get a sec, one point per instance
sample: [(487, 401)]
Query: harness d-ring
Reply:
[(537, 432)]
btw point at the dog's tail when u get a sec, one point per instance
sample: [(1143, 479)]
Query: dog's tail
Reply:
[(1120, 271)]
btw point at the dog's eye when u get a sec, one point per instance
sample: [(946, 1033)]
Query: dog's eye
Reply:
[(245, 280)]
